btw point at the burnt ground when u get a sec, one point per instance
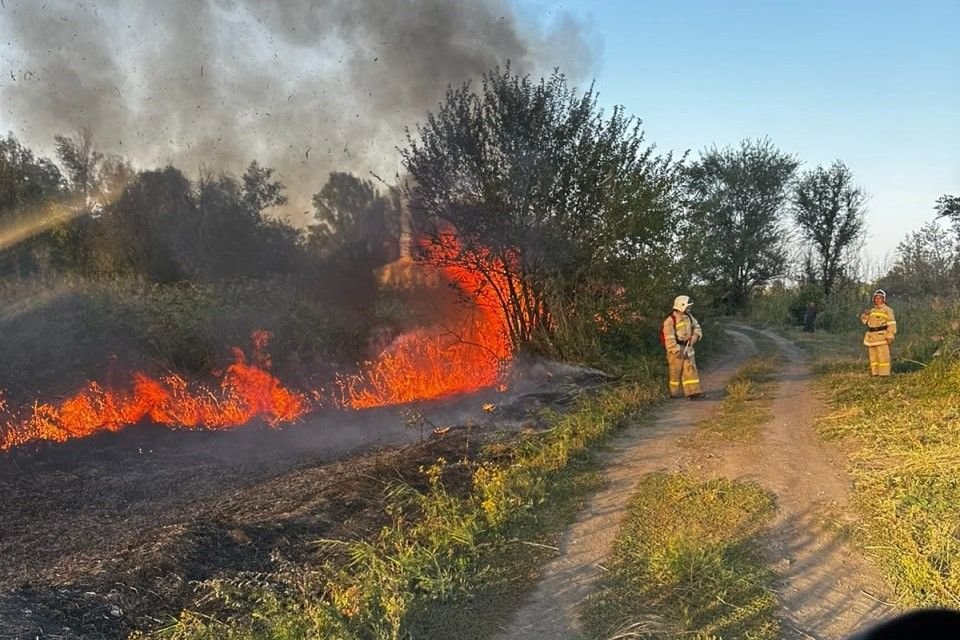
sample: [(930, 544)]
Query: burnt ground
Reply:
[(110, 534)]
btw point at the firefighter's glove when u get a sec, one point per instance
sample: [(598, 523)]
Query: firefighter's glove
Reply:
[(688, 352)]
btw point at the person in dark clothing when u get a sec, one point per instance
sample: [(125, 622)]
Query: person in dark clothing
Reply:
[(810, 317)]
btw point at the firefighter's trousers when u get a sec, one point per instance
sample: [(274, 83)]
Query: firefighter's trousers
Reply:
[(879, 359), (684, 377)]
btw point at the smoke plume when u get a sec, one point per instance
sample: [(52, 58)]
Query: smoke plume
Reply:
[(305, 86)]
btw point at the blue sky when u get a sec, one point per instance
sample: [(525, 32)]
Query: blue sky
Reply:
[(875, 84)]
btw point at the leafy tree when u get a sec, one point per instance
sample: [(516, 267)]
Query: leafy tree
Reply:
[(548, 197), (81, 160), (260, 191), (230, 234), (927, 263), (352, 216), (26, 184), (24, 178), (949, 207), (828, 209), (737, 197), (151, 223)]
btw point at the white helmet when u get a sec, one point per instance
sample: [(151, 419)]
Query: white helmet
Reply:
[(881, 293), (681, 303)]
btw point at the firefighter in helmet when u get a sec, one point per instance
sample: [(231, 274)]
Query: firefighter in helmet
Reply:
[(680, 331), (881, 330)]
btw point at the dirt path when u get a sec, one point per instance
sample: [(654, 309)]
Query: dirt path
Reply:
[(826, 588)]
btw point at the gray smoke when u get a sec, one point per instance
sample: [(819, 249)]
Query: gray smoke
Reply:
[(305, 86)]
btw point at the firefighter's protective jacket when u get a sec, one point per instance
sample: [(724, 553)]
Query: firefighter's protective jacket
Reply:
[(881, 325), (678, 329)]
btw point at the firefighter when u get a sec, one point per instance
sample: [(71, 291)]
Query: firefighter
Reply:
[(881, 330), (680, 331)]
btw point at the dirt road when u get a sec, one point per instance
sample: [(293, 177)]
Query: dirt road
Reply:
[(826, 588)]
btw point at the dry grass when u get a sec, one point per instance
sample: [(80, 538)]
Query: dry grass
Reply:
[(746, 405), (687, 564), (903, 435)]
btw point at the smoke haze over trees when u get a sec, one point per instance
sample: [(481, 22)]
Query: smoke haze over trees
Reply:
[(307, 87)]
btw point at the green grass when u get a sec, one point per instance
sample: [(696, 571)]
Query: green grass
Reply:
[(456, 554), (686, 563), (902, 435), (746, 405)]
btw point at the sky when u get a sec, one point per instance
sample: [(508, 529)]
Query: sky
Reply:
[(307, 86), (875, 84)]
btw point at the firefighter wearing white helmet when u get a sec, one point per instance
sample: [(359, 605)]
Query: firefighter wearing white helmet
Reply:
[(680, 331), (881, 330)]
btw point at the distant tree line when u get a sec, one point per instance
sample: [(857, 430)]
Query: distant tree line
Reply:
[(570, 217), (160, 225)]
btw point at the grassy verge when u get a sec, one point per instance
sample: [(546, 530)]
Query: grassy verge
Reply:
[(746, 405), (453, 554), (902, 436), (687, 564)]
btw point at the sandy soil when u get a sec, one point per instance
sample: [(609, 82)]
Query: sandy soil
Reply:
[(827, 589)]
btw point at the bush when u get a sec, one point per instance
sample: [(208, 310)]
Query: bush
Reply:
[(59, 332)]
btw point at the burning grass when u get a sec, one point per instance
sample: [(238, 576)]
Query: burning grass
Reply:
[(247, 391), (466, 349), (461, 353)]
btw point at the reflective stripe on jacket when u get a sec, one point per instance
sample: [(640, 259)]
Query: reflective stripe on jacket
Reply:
[(686, 326), (881, 325)]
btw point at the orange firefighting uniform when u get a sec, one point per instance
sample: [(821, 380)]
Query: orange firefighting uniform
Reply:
[(881, 329), (678, 329)]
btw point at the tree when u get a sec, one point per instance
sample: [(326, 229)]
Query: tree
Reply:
[(27, 185), (828, 209), (949, 207), (736, 203), (260, 192), (24, 178), (351, 215), (927, 263), (546, 195), (151, 224), (81, 161), (231, 234)]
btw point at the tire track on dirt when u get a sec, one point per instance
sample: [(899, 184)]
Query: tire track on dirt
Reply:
[(826, 588), (550, 612)]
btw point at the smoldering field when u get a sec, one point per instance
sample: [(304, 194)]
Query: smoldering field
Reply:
[(108, 534)]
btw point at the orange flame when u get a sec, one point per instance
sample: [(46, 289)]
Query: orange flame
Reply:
[(442, 361), (247, 391), (425, 364)]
